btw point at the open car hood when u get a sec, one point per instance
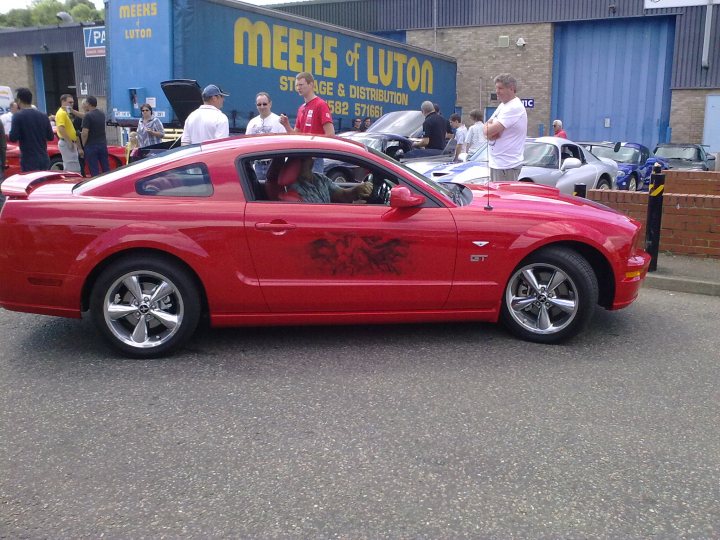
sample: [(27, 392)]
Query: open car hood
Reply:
[(184, 95)]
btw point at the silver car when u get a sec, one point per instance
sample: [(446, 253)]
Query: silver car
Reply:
[(552, 161)]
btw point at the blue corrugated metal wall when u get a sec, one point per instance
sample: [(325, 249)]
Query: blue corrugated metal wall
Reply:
[(616, 70)]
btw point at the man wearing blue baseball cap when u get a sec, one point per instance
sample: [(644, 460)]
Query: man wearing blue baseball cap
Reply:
[(207, 122)]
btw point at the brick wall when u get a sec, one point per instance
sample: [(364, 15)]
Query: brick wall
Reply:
[(697, 182), (687, 115), (480, 59), (690, 223), (17, 72)]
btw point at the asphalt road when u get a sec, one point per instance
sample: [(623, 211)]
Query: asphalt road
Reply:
[(436, 431)]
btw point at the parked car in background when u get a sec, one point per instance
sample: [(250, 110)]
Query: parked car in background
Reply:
[(116, 157), (686, 156), (635, 162), (551, 161), (392, 134), (151, 248)]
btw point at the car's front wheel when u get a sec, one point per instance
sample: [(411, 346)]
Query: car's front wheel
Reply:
[(603, 183), (632, 183), (145, 306), (550, 296)]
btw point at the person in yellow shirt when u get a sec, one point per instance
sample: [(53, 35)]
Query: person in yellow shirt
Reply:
[(69, 144)]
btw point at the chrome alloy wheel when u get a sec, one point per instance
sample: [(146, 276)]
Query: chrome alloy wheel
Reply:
[(143, 309), (542, 298)]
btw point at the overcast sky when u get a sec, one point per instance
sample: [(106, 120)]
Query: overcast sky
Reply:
[(7, 5)]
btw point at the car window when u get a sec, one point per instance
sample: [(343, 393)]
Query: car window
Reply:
[(539, 154), (677, 152), (186, 181)]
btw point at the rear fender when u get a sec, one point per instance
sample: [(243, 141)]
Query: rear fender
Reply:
[(139, 236)]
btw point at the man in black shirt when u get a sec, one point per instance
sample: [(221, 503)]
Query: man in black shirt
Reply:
[(93, 138), (32, 130), (433, 141)]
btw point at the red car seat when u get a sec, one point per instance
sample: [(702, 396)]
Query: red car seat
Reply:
[(288, 175)]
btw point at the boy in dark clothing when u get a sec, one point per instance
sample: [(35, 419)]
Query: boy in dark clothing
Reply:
[(32, 130)]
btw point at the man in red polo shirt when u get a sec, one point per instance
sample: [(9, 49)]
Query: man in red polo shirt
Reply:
[(313, 116)]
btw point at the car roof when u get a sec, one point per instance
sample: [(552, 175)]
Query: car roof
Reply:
[(252, 143)]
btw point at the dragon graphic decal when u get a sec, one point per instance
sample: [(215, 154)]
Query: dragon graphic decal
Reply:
[(360, 255)]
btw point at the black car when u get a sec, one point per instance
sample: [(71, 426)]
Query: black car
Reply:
[(686, 156)]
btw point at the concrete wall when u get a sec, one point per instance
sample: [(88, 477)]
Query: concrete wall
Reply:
[(480, 59)]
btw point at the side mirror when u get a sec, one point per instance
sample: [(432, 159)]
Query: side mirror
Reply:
[(617, 147), (402, 197), (571, 163)]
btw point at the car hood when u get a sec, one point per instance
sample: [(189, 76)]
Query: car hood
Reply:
[(539, 193), (184, 95), (403, 123)]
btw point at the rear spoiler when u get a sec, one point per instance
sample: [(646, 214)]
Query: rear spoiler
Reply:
[(19, 186)]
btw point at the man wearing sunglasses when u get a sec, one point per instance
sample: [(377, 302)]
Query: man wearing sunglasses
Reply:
[(267, 121)]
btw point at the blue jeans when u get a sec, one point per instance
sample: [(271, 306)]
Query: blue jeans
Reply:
[(96, 157)]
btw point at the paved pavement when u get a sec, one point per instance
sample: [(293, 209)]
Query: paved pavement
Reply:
[(686, 274)]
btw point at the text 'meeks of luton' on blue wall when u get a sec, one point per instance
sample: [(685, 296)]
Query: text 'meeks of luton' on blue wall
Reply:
[(246, 51)]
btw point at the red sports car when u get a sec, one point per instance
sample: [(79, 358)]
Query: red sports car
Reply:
[(117, 157), (149, 248)]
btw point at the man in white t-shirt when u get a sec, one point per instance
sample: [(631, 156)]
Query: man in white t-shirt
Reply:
[(267, 121), (460, 135), (506, 131), (207, 122)]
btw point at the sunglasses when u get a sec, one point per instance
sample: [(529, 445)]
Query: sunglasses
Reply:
[(262, 104)]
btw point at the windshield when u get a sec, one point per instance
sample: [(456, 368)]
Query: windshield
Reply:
[(375, 143), (405, 123), (687, 153), (624, 155), (419, 177), (537, 154), (481, 154)]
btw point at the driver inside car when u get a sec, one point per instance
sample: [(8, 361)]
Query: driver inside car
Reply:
[(314, 187)]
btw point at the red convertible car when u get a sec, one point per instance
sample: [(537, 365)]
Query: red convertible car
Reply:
[(150, 248), (116, 158)]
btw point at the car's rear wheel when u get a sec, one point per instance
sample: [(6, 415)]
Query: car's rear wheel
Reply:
[(550, 296), (145, 306), (56, 163), (603, 183)]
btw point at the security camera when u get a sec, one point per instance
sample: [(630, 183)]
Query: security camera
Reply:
[(520, 42), (64, 16)]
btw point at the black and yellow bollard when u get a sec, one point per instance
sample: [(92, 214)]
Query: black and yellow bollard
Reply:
[(580, 190), (654, 215)]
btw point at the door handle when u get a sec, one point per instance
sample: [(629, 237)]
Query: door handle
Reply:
[(275, 227)]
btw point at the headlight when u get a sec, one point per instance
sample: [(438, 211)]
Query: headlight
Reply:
[(620, 174)]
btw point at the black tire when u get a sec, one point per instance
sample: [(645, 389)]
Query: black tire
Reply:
[(339, 176), (603, 183), (563, 302), (134, 326), (56, 163)]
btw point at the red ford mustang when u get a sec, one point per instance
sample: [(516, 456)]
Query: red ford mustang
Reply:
[(116, 158), (149, 248)]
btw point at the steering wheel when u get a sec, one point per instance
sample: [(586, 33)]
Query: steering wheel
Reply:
[(381, 190)]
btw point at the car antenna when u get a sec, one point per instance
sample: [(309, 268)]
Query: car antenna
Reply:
[(488, 206)]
